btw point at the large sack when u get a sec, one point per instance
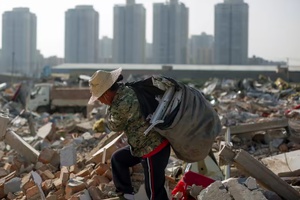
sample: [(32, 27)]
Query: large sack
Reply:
[(191, 127), (193, 130)]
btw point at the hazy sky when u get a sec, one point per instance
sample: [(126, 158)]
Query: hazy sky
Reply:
[(274, 25)]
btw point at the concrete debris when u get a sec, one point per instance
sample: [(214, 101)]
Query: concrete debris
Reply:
[(246, 163), (46, 130), (68, 156), (235, 189), (215, 191), (70, 152), (250, 183), (285, 164), (13, 185)]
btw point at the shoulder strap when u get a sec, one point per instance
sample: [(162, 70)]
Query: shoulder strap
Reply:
[(146, 92)]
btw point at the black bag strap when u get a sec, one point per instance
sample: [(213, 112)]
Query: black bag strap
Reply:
[(146, 92)]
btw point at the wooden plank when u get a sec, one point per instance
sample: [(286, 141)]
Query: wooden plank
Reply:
[(226, 156), (290, 174), (291, 179), (265, 176), (245, 128), (109, 149)]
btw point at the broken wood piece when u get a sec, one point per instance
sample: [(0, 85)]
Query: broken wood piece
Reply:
[(8, 177), (246, 128), (100, 169), (289, 174), (109, 148), (245, 162), (104, 155), (291, 180), (226, 156)]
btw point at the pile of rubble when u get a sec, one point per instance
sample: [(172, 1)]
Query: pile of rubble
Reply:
[(236, 188), (64, 156)]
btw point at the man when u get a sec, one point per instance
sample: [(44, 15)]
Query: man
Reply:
[(124, 115)]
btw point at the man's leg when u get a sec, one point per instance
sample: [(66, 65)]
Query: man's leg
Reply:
[(154, 170), (121, 160)]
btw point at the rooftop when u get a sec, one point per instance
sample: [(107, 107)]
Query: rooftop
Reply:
[(71, 66)]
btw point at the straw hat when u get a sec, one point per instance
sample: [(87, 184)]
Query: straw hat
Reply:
[(102, 81)]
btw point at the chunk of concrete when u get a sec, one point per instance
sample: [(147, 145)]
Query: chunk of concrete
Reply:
[(283, 163), (68, 156), (13, 185), (239, 191), (250, 183), (46, 130), (216, 190), (22, 147), (4, 120), (16, 142), (265, 177)]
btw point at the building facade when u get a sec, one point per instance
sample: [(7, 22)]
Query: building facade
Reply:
[(105, 50), (129, 34), (81, 35), (19, 42), (170, 32), (201, 49), (149, 53), (231, 33)]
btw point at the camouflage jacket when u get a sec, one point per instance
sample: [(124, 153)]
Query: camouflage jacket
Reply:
[(124, 115)]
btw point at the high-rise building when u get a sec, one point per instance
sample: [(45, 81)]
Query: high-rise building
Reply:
[(105, 50), (53, 61), (1, 60), (81, 35), (129, 36), (148, 53), (201, 49), (170, 32), (231, 33), (19, 51)]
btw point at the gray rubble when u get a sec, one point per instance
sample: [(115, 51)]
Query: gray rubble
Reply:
[(61, 146)]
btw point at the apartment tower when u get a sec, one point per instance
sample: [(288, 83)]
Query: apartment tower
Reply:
[(231, 33), (19, 36), (201, 49), (81, 35), (170, 32), (129, 34)]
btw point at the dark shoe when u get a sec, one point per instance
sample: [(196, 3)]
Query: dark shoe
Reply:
[(114, 194), (117, 195)]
